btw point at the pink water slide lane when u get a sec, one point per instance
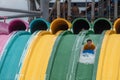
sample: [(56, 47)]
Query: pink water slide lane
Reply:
[(3, 28), (3, 41), (7, 30)]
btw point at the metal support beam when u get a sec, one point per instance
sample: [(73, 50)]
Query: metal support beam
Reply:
[(19, 11), (20, 15), (44, 8), (93, 10)]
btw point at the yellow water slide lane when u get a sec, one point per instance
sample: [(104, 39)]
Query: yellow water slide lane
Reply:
[(36, 61), (102, 54), (112, 58)]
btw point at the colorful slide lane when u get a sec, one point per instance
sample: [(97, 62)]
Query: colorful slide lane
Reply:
[(4, 38), (8, 30), (110, 68), (108, 64), (3, 28), (9, 64), (85, 69)]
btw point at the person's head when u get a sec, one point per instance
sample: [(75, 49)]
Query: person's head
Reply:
[(89, 41)]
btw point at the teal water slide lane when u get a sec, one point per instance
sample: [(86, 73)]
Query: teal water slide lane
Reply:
[(59, 60), (9, 63)]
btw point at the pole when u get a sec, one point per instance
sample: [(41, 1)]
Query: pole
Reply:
[(44, 8), (69, 10), (86, 9), (93, 10), (58, 8), (115, 9), (109, 9)]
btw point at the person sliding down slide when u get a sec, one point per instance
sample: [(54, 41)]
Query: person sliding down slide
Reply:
[(88, 55), (89, 47)]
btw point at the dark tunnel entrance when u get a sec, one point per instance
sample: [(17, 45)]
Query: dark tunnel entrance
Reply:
[(101, 25), (79, 25), (17, 25), (38, 25)]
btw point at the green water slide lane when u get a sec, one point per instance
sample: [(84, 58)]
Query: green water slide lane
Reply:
[(84, 71), (97, 56), (75, 55), (59, 60), (9, 63)]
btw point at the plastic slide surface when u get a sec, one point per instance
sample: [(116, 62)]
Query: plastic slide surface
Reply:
[(9, 64), (60, 57), (75, 55), (3, 41), (3, 28), (84, 68), (37, 57), (111, 59), (103, 55)]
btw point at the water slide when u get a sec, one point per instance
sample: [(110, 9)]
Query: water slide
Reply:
[(4, 38), (3, 28), (109, 57), (10, 61), (82, 67), (3, 35), (11, 55), (8, 30), (81, 70), (39, 51), (59, 63), (56, 54)]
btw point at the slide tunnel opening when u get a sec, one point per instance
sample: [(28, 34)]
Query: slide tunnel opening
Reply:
[(79, 25), (16, 25), (38, 25), (59, 24), (117, 26), (118, 29), (101, 25)]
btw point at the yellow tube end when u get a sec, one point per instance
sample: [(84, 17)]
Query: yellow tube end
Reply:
[(116, 26), (59, 24)]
